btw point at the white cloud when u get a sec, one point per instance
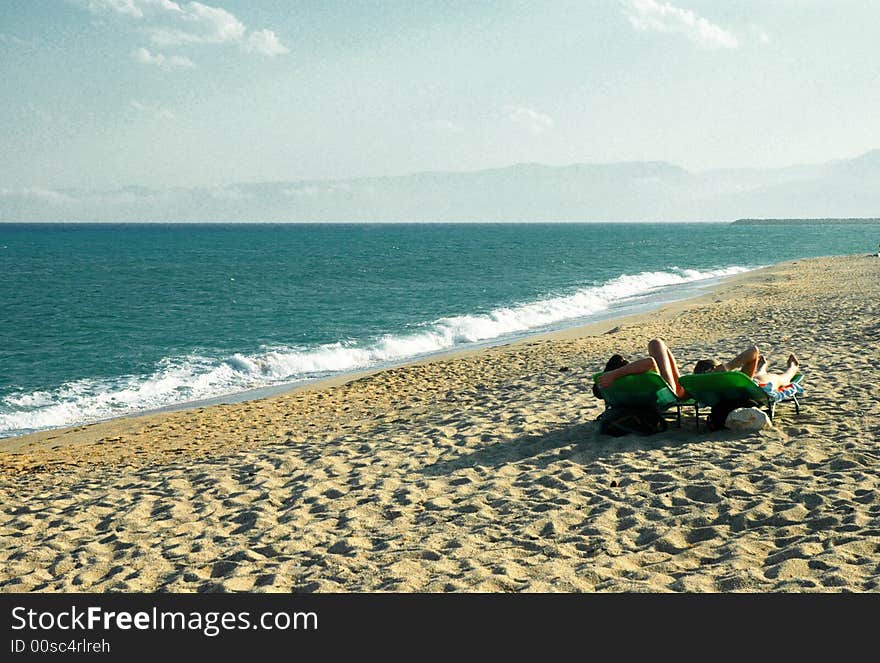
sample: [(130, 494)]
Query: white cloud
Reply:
[(132, 8), (152, 111), (654, 16), (199, 24), (50, 196), (170, 23), (265, 42), (12, 39), (144, 56), (125, 7), (530, 119)]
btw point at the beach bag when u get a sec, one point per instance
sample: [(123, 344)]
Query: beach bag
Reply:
[(618, 421), (717, 418)]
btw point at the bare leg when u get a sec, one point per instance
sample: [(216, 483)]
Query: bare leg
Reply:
[(793, 367), (780, 379), (762, 365), (746, 361), (666, 365)]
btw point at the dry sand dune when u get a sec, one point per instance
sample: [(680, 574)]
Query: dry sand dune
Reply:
[(484, 471)]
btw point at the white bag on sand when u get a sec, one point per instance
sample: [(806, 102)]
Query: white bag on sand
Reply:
[(747, 419)]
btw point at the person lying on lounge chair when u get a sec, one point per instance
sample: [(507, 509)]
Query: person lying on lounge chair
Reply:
[(753, 364), (661, 360)]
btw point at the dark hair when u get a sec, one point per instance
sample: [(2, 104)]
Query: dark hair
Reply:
[(705, 366), (616, 361)]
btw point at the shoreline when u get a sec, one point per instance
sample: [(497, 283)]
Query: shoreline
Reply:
[(125, 425), (667, 309), (667, 297), (485, 472)]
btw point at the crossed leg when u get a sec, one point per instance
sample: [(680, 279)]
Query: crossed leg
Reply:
[(746, 361), (779, 379), (666, 365)]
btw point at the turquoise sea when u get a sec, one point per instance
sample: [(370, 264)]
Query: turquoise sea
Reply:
[(101, 320)]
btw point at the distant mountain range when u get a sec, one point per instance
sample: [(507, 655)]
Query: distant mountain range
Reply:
[(629, 191)]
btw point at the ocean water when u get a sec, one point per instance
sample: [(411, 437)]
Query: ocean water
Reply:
[(101, 320)]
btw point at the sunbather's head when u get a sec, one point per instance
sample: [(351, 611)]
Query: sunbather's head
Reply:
[(707, 366), (616, 361)]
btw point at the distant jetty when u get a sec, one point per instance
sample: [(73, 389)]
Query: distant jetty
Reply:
[(801, 222)]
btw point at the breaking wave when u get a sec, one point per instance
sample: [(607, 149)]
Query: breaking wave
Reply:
[(189, 378)]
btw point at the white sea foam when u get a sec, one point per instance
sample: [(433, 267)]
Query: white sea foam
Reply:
[(190, 378)]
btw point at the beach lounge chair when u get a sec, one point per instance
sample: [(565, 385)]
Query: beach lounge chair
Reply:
[(710, 389), (643, 391)]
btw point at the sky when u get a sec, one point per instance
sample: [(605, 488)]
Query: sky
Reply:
[(102, 94)]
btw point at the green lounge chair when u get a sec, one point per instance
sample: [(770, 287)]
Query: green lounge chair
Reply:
[(642, 391), (709, 389)]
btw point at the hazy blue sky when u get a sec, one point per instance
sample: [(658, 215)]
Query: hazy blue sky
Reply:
[(107, 93)]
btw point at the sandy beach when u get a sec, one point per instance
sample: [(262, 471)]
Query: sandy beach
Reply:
[(484, 471)]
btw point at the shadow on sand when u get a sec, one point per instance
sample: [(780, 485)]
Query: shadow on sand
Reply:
[(580, 443)]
